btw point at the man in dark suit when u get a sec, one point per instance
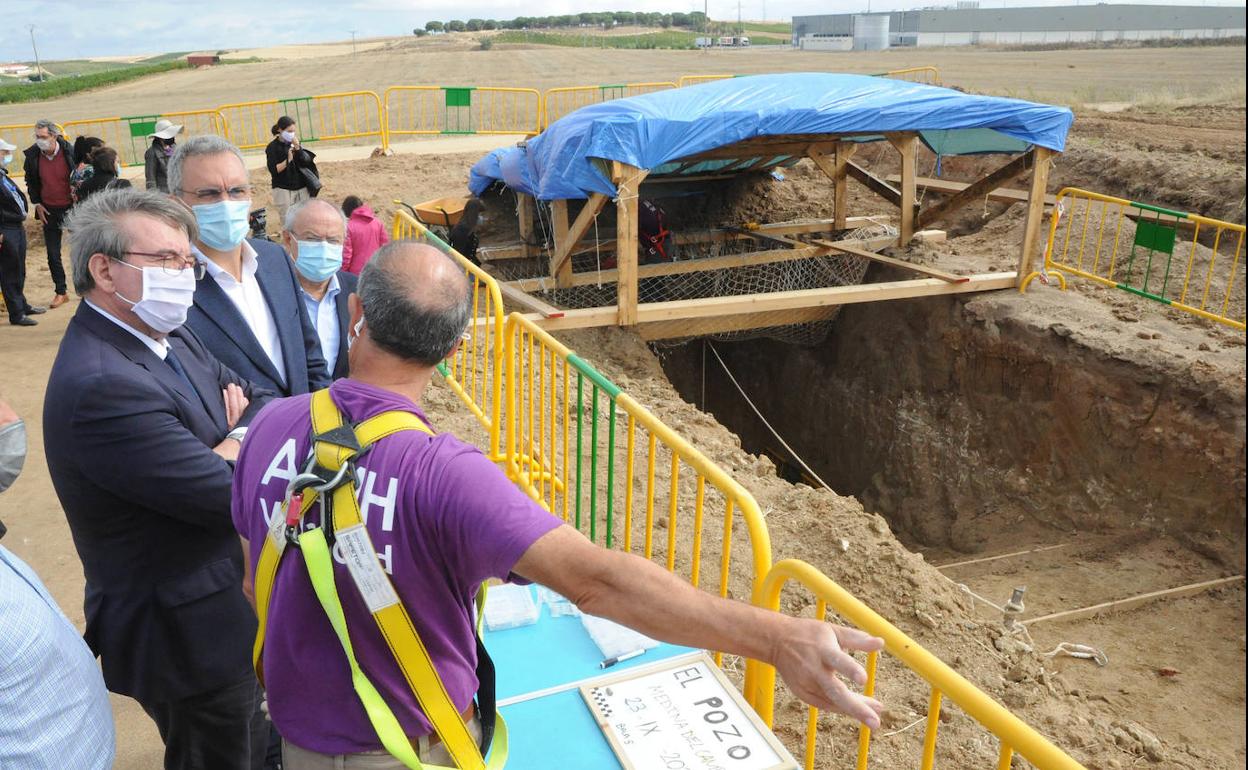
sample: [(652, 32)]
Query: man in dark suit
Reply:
[(141, 425), (248, 309), (314, 233), (13, 209)]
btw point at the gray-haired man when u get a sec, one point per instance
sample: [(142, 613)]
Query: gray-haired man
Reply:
[(49, 162), (314, 234), (139, 427)]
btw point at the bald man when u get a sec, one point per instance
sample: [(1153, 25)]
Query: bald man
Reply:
[(314, 233), (442, 518)]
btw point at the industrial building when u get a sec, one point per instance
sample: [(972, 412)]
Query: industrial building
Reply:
[(968, 24)]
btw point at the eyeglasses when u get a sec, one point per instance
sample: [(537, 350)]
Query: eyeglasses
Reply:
[(170, 262), (214, 194)]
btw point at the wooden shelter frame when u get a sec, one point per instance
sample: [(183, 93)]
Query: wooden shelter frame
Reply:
[(833, 155)]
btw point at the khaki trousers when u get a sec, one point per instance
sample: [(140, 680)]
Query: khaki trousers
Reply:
[(295, 758), (282, 201)]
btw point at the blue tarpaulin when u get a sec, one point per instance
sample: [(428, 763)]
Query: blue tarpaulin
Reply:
[(653, 129)]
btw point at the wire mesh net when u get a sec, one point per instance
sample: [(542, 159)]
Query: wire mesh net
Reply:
[(790, 275)]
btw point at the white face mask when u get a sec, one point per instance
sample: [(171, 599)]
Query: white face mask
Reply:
[(288, 137), (166, 297), (46, 144), (355, 332)]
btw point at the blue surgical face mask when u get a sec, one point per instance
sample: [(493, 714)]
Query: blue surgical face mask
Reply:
[(222, 225), (6, 159), (12, 454), (318, 260)]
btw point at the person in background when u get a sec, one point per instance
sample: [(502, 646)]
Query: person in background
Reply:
[(140, 427), (83, 147), (13, 210), (104, 161), (248, 308), (55, 707), (283, 158), (49, 163), (156, 159), (365, 234), (313, 236)]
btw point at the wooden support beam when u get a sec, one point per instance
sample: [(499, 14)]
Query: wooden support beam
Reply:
[(1035, 210), (840, 183), (607, 244), (758, 235), (873, 183), (1122, 605), (561, 272), (563, 251), (975, 191), (591, 277), (524, 216), (516, 296), (665, 330), (774, 302), (628, 182), (907, 147), (946, 187), (871, 255)]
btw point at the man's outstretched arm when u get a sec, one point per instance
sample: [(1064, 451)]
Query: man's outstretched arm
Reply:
[(809, 654)]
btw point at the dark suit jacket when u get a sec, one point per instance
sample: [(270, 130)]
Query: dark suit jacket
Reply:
[(347, 283), (128, 445), (223, 330), (11, 214)]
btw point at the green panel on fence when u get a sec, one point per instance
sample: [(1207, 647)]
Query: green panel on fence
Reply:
[(141, 126), (458, 97), (1154, 236), (300, 109)]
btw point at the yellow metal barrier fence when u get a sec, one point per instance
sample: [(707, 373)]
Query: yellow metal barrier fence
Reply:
[(414, 110), (591, 454), (1014, 735), (325, 117), (928, 75), (474, 371), (22, 135), (693, 80), (130, 137), (558, 102), (1189, 262)]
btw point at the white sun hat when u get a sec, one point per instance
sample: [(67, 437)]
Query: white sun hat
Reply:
[(166, 129), (6, 146)]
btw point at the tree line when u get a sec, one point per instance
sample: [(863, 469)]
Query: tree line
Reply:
[(694, 21)]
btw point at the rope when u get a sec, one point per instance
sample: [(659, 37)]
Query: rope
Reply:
[(759, 414)]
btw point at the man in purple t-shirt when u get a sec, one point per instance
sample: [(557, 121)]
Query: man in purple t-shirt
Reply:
[(442, 519)]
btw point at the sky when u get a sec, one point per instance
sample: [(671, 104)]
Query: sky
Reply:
[(73, 29)]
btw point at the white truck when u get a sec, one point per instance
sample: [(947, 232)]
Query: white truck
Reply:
[(704, 42), (741, 41)]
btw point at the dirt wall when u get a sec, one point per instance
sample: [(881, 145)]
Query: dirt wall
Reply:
[(962, 418)]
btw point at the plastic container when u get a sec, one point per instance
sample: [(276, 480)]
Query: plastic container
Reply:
[(509, 606)]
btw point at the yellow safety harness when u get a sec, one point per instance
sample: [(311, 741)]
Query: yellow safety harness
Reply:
[(330, 477)]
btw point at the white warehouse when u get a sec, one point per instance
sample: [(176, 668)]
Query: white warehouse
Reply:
[(1011, 26)]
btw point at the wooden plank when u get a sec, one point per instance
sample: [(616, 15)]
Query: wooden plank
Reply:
[(871, 255), (906, 146), (513, 294), (840, 183), (524, 216), (873, 183), (589, 211), (946, 187), (1122, 605), (1010, 555), (627, 204), (1035, 210), (663, 330), (774, 302), (562, 272), (975, 191), (835, 295), (759, 235), (591, 277)]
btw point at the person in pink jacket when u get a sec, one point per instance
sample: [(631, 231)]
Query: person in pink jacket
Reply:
[(365, 234)]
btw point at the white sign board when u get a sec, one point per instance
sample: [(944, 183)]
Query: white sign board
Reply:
[(685, 716)]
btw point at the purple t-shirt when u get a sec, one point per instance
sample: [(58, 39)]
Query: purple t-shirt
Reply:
[(442, 518)]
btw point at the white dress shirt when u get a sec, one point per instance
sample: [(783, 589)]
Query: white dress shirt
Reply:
[(247, 297), (324, 315), (159, 347)]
